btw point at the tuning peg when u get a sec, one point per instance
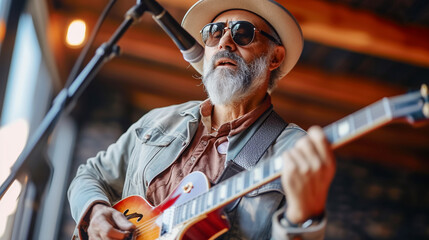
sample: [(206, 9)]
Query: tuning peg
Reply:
[(426, 110), (425, 92)]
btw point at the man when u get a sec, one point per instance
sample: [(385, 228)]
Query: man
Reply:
[(249, 45)]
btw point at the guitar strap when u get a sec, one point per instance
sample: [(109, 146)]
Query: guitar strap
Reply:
[(256, 146)]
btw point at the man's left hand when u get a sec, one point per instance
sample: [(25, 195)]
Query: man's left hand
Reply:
[(308, 170)]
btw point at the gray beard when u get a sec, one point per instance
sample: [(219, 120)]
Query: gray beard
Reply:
[(227, 86)]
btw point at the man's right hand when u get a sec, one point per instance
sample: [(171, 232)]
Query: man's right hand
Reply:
[(108, 223)]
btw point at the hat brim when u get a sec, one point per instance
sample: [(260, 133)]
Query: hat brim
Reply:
[(204, 11)]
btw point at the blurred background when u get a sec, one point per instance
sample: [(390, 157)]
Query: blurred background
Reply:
[(356, 52)]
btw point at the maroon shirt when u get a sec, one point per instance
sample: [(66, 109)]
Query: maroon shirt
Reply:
[(206, 152)]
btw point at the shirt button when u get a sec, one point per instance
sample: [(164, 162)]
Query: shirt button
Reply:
[(193, 159), (147, 136), (204, 143)]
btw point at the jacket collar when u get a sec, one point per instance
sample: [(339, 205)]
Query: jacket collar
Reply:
[(193, 111)]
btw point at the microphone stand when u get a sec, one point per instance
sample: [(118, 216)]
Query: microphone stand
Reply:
[(30, 168)]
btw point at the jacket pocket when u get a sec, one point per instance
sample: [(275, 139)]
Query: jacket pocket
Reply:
[(150, 143), (154, 137)]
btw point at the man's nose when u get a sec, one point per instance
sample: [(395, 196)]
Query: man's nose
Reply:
[(226, 41)]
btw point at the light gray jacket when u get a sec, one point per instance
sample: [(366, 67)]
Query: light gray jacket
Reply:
[(153, 143)]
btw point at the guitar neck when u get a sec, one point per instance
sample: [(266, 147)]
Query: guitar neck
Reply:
[(372, 117), (365, 120), (228, 190), (359, 123)]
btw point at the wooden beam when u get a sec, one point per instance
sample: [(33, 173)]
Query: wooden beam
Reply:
[(346, 91), (333, 25), (147, 100), (356, 30), (360, 31), (155, 79)]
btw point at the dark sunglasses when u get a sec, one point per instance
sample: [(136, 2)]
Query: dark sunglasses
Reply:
[(242, 32)]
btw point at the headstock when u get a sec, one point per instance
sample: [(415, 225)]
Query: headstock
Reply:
[(413, 107)]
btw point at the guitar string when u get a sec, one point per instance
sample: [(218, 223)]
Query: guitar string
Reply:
[(146, 228), (147, 224), (145, 232), (150, 235)]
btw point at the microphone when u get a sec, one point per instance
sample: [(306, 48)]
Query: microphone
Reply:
[(192, 51)]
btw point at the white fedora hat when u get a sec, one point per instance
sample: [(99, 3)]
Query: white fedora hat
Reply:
[(286, 26)]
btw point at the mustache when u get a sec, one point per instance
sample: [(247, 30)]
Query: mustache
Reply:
[(226, 54)]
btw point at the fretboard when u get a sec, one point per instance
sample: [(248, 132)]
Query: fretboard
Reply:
[(228, 190), (358, 123), (374, 116), (338, 133)]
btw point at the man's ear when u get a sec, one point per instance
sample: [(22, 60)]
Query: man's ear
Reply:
[(278, 57)]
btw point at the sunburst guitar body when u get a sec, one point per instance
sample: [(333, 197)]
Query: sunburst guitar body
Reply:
[(156, 222)]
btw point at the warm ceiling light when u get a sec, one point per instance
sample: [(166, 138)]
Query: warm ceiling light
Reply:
[(76, 33), (2, 30)]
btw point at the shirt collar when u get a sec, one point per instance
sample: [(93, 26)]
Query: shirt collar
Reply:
[(236, 125)]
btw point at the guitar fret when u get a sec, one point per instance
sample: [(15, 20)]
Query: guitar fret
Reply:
[(377, 111), (183, 218), (335, 136), (210, 199), (239, 183), (229, 188), (234, 184), (344, 128), (188, 214), (387, 108), (249, 179), (193, 208), (266, 166), (360, 119), (202, 201), (246, 182), (176, 213), (216, 194), (352, 124), (278, 164), (329, 132), (197, 205), (368, 116), (223, 191), (179, 213), (257, 174)]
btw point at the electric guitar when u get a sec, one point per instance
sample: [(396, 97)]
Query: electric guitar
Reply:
[(193, 211)]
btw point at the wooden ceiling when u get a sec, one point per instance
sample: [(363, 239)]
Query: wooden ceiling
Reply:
[(356, 52)]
